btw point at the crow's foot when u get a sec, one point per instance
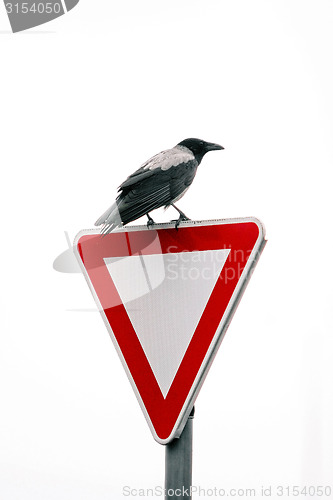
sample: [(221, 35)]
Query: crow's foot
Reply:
[(150, 221), (179, 220)]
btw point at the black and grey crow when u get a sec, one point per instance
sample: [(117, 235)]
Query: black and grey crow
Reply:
[(160, 181)]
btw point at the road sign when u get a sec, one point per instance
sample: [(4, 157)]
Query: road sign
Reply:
[(167, 297)]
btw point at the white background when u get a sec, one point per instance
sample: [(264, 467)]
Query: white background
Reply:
[(84, 100)]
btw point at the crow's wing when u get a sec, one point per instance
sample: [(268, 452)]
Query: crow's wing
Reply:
[(155, 191)]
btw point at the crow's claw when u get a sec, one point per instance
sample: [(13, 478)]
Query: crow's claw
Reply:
[(179, 220), (151, 221)]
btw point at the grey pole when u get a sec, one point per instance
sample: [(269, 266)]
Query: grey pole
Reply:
[(178, 464)]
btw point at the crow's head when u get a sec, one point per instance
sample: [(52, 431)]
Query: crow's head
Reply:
[(199, 148)]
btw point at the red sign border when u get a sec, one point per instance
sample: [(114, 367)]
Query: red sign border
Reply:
[(217, 336)]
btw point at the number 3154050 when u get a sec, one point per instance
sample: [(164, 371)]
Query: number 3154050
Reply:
[(35, 8)]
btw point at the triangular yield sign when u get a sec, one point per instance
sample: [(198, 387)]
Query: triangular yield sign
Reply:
[(167, 297)]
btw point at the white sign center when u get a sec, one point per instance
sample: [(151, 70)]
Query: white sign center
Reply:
[(164, 296)]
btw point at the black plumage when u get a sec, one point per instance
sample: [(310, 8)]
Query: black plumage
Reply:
[(160, 181)]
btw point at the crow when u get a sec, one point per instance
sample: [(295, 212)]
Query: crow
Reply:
[(160, 181)]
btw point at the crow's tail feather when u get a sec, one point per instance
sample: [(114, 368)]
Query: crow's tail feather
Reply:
[(110, 219), (106, 215)]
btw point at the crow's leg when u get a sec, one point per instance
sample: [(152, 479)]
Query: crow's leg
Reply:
[(150, 221), (182, 216)]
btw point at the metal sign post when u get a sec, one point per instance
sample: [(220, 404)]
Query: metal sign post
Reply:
[(178, 464)]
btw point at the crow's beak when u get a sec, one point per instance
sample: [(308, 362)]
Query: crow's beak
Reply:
[(213, 147)]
